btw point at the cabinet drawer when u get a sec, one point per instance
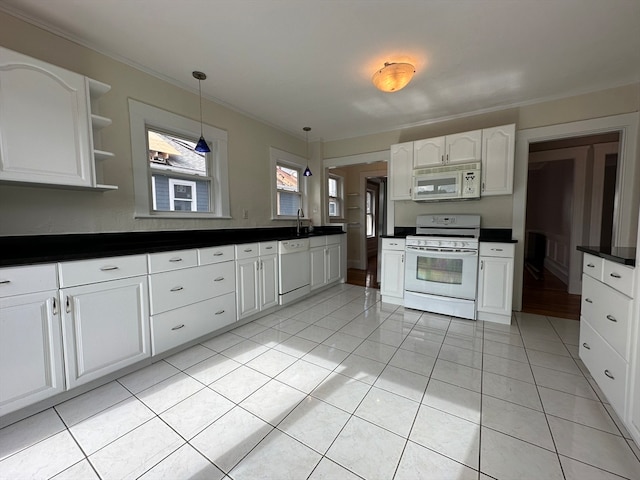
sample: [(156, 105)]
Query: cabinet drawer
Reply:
[(393, 243), (173, 260), (491, 249), (27, 279), (268, 248), (171, 329), (592, 266), (619, 277), (83, 272), (171, 290), (210, 255), (320, 241), (607, 367), (246, 250), (609, 313)]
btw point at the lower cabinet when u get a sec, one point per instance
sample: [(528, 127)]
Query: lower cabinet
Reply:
[(495, 282), (256, 278), (392, 282), (105, 328), (326, 260), (31, 364)]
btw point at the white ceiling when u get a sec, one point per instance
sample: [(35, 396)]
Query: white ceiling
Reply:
[(293, 63)]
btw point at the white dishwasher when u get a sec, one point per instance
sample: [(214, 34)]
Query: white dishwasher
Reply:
[(293, 259)]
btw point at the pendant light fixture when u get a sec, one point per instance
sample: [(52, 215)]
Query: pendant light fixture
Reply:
[(393, 76), (202, 145), (307, 172)]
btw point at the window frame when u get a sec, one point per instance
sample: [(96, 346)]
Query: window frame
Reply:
[(194, 194), (143, 117), (288, 160), (339, 199), (371, 212)]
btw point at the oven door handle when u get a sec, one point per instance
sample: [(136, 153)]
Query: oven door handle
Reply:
[(442, 251)]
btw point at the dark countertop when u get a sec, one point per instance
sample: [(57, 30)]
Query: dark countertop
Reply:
[(31, 249), (622, 255)]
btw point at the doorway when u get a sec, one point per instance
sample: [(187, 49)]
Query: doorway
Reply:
[(596, 214)]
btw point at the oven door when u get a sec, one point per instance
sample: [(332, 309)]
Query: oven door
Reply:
[(441, 271)]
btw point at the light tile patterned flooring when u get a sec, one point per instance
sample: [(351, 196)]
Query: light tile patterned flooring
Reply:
[(341, 386)]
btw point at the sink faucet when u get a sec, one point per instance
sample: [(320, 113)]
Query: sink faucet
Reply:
[(299, 221)]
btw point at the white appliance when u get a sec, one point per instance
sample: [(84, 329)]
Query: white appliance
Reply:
[(294, 265), (455, 182), (441, 266)]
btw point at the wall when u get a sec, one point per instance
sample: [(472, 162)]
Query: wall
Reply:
[(36, 210), (497, 211)]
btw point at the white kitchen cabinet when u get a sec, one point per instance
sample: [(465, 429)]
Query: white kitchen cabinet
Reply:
[(256, 278), (606, 322), (465, 147), (495, 282), (326, 260), (53, 105), (31, 362), (105, 320), (191, 293), (498, 149), (392, 271), (429, 152), (401, 171), (633, 422)]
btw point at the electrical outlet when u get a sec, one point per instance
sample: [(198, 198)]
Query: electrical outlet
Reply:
[(245, 213)]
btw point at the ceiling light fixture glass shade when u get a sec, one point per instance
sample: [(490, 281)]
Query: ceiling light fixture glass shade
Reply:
[(393, 76), (202, 145), (307, 172)]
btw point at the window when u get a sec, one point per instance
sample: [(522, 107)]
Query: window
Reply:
[(370, 213), (171, 179), (289, 186), (335, 196)]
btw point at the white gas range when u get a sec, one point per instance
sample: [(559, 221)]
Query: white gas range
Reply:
[(441, 269)]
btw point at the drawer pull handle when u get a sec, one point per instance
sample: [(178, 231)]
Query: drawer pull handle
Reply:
[(178, 327), (218, 254), (611, 318), (588, 300), (175, 259), (496, 249), (219, 279), (608, 374), (108, 268), (176, 289), (219, 312), (615, 275), (268, 248), (586, 345), (248, 250), (590, 265), (5, 282)]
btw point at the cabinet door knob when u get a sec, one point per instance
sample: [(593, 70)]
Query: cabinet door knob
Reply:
[(176, 289), (586, 345), (611, 318), (608, 374), (588, 300), (615, 275), (55, 306), (68, 304), (178, 327)]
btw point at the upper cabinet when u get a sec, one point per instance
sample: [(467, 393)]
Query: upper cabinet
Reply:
[(497, 160), (450, 150), (47, 127), (493, 147)]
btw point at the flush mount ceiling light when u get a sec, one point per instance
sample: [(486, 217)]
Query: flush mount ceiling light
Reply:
[(307, 172), (202, 145), (393, 76)]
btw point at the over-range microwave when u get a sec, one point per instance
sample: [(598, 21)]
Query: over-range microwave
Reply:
[(454, 182)]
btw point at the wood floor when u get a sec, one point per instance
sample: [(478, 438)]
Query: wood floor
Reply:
[(365, 278), (548, 296)]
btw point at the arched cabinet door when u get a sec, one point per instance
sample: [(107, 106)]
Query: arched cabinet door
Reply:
[(44, 123)]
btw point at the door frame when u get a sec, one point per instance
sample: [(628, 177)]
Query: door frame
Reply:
[(627, 214)]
